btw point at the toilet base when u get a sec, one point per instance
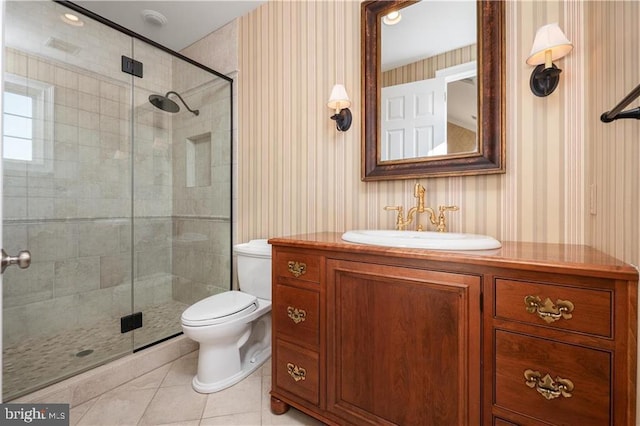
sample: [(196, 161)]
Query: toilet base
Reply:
[(231, 352), (249, 365)]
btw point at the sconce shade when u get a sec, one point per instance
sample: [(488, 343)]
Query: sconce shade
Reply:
[(550, 44), (549, 37), (339, 101), (339, 98)]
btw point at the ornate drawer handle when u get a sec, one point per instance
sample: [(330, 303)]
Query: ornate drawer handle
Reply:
[(297, 268), (547, 310), (548, 387), (296, 315), (297, 373)]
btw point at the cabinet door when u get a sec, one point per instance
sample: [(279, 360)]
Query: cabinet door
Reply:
[(403, 345)]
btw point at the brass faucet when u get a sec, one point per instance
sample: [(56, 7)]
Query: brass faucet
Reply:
[(401, 222), (439, 221)]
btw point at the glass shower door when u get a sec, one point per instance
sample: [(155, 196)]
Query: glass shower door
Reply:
[(182, 190), (66, 195)]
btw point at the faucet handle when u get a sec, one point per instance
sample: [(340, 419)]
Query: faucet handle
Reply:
[(442, 224), (448, 208), (399, 217)]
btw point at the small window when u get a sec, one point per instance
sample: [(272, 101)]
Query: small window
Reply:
[(27, 123)]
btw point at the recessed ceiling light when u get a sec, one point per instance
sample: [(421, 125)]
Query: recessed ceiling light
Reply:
[(154, 17), (71, 19), (392, 18)]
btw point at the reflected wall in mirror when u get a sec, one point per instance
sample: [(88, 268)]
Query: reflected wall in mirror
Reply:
[(433, 100)]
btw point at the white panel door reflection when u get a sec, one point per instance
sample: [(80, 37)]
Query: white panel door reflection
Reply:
[(414, 120)]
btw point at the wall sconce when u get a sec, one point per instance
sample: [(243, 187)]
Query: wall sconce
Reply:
[(339, 101), (550, 44)]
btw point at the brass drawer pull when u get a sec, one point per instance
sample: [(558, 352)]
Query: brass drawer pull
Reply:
[(296, 315), (297, 373), (548, 387), (547, 310), (297, 268)]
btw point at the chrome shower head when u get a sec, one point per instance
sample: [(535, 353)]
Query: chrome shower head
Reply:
[(166, 104)]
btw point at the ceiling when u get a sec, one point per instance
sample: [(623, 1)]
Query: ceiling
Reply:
[(433, 27), (438, 26), (187, 21)]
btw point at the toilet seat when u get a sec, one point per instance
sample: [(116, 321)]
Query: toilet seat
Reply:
[(219, 308)]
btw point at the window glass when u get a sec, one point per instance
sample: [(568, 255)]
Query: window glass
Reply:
[(17, 149), (17, 104), (17, 127)]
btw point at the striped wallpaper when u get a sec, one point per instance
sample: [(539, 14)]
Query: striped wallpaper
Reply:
[(297, 174), (613, 150)]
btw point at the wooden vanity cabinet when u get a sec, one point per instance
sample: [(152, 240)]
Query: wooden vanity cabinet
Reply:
[(531, 334)]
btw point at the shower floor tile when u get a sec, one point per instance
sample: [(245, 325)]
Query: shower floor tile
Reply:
[(37, 362)]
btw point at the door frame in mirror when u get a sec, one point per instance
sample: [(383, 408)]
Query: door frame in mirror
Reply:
[(490, 158)]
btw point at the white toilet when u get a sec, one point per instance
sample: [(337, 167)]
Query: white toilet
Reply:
[(234, 328)]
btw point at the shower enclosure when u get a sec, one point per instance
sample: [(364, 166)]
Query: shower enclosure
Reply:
[(124, 207)]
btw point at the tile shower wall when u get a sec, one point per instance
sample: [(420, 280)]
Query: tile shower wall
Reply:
[(64, 216), (201, 152), (219, 50), (74, 217)]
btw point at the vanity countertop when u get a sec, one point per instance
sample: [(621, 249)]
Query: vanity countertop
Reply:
[(579, 259)]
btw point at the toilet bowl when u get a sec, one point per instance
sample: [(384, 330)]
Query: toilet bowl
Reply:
[(233, 328)]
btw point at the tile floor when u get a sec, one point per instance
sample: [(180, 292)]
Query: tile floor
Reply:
[(164, 397)]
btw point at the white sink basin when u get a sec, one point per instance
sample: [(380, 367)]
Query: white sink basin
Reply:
[(424, 240)]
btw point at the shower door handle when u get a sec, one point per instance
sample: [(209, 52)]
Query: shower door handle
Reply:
[(23, 260)]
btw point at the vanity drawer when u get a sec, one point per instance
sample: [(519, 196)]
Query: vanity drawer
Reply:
[(568, 308), (296, 314), (297, 370), (297, 266), (520, 356)]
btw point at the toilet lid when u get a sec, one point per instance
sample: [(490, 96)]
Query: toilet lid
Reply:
[(255, 248), (219, 308)]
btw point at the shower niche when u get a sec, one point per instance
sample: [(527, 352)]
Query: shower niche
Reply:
[(198, 160), (133, 212)]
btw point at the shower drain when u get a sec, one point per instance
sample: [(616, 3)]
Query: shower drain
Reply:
[(84, 353)]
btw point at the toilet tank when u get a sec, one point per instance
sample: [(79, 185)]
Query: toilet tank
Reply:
[(254, 268)]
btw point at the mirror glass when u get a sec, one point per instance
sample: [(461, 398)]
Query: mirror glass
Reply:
[(429, 90), (433, 87)]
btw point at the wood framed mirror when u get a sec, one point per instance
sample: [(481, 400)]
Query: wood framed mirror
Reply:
[(381, 157)]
